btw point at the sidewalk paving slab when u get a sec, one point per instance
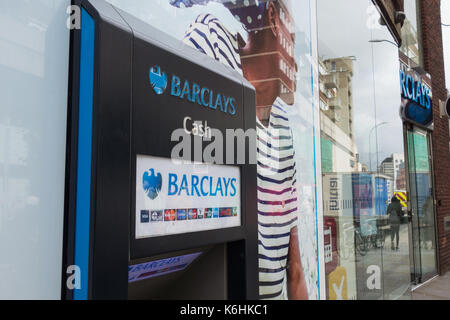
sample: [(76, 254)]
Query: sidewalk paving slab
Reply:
[(436, 289)]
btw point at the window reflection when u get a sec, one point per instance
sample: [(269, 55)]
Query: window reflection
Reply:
[(423, 221), (268, 42), (410, 35), (363, 165)]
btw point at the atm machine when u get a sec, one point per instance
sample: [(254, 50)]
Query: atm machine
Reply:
[(141, 224)]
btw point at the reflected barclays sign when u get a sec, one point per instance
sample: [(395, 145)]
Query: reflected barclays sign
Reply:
[(417, 103)]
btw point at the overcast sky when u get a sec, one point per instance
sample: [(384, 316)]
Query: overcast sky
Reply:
[(375, 80), (445, 12), (346, 33)]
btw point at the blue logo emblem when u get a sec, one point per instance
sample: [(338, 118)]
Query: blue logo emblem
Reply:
[(152, 184), (158, 80)]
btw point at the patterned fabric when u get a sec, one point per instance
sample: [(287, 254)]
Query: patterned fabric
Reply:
[(277, 191), (277, 200), (187, 3), (249, 12), (210, 37)]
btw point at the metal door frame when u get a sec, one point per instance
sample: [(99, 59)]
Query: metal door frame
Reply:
[(417, 277)]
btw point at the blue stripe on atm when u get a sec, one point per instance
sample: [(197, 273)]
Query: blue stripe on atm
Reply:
[(83, 199)]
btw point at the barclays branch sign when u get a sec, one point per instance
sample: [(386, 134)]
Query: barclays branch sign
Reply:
[(417, 103), (192, 92), (415, 90)]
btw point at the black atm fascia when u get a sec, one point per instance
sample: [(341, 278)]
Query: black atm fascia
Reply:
[(129, 119)]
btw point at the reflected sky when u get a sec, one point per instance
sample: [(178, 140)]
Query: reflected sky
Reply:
[(375, 81)]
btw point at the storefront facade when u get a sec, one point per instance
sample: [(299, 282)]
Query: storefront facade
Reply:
[(376, 171), (339, 203)]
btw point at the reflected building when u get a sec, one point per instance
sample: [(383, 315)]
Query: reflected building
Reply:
[(340, 167), (339, 153), (355, 197), (387, 167), (392, 167), (401, 177), (410, 44), (338, 78)]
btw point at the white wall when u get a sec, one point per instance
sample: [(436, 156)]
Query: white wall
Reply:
[(34, 54)]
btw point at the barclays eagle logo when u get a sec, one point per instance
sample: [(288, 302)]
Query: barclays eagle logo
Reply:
[(152, 184), (158, 80)]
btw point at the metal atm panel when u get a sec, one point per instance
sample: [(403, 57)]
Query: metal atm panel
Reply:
[(130, 118)]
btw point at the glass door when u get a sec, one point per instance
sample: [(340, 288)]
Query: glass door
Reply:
[(422, 214)]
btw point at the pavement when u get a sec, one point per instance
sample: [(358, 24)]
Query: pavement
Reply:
[(436, 289)]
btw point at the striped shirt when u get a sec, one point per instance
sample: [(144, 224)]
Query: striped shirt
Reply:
[(209, 36), (277, 200), (277, 193)]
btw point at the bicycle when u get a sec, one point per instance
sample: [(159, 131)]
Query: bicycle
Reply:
[(353, 242), (361, 243)]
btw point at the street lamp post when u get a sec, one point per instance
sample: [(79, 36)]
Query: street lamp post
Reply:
[(370, 142), (383, 40)]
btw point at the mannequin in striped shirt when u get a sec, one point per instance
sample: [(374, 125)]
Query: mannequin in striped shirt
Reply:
[(259, 60)]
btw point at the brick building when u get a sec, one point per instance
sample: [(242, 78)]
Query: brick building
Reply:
[(433, 59)]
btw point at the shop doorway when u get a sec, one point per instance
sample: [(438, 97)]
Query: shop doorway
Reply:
[(421, 206)]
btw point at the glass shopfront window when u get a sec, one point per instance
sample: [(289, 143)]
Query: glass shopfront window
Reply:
[(269, 42), (423, 221), (410, 32), (363, 163)]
